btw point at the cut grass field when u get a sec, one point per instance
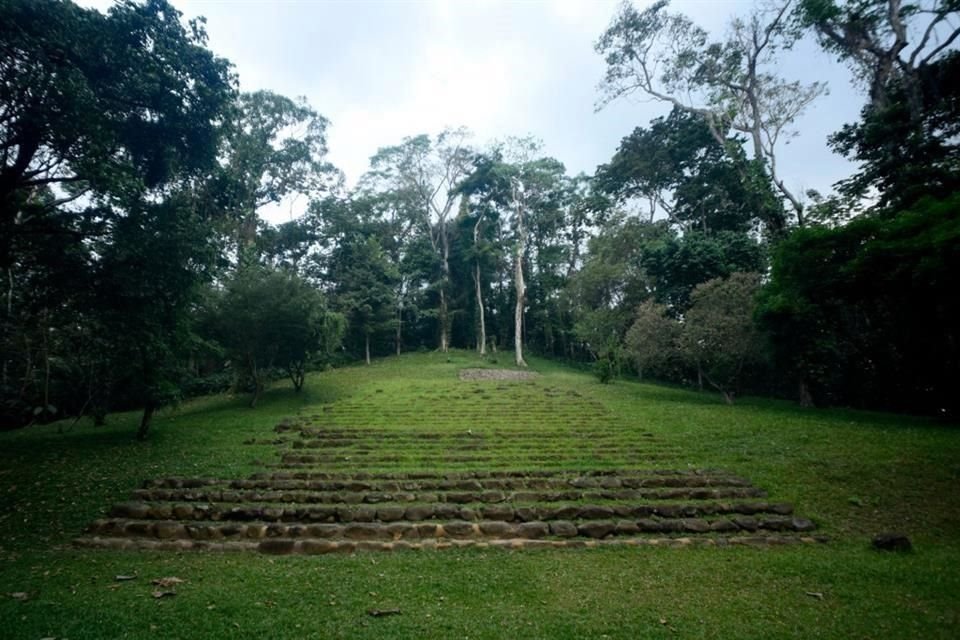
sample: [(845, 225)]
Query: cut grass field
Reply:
[(854, 473)]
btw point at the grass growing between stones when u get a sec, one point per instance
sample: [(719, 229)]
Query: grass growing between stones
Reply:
[(854, 473)]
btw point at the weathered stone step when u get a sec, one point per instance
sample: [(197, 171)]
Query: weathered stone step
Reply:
[(306, 496), (511, 474), (425, 457), (312, 546), (308, 434), (465, 480), (367, 448), (612, 439), (494, 484), (454, 529), (437, 511)]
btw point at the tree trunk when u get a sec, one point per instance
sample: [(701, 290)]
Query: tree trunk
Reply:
[(9, 318), (399, 335), (366, 346), (444, 339), (298, 374), (521, 287), (518, 312), (145, 421), (444, 281), (806, 398), (482, 342), (257, 384), (46, 363)]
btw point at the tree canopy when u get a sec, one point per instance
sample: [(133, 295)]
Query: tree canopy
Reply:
[(138, 269)]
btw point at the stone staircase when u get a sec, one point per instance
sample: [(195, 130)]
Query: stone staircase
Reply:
[(321, 512), (344, 487)]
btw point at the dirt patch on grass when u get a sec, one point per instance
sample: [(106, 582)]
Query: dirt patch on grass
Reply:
[(497, 374)]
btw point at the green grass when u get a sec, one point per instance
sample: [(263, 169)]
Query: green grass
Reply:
[(854, 473)]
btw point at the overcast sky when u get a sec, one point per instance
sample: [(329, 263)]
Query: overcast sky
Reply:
[(382, 70)]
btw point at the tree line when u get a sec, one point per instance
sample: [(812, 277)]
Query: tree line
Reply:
[(137, 269)]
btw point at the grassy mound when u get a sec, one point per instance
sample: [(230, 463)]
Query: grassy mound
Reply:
[(855, 474)]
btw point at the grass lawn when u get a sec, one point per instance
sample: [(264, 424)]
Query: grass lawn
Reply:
[(854, 473)]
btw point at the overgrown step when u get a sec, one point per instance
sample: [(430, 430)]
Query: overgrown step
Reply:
[(449, 529), (320, 511), (288, 495), (314, 546), (415, 512), (296, 460), (466, 481)]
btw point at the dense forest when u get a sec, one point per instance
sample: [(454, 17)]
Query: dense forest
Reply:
[(136, 270)]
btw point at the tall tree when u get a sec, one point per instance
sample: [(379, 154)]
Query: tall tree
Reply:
[(681, 171), (902, 53), (363, 286), (148, 281), (427, 173), (731, 84), (888, 43), (127, 109), (525, 187), (275, 149), (105, 104)]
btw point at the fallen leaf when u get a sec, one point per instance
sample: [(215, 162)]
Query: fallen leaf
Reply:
[(815, 594), (122, 578), (163, 594), (379, 613), (663, 621), (19, 595), (167, 582)]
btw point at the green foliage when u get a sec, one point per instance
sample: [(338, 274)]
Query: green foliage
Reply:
[(148, 280), (907, 148), (274, 147), (681, 170), (364, 283), (678, 265), (719, 335), (607, 367), (267, 318), (652, 341), (731, 85), (113, 103), (865, 314)]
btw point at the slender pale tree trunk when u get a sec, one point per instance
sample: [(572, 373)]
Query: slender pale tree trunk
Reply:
[(520, 287), (483, 322), (445, 280), (518, 313), (367, 346), (476, 278)]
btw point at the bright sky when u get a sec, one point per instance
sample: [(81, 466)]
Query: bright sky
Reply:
[(381, 70)]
